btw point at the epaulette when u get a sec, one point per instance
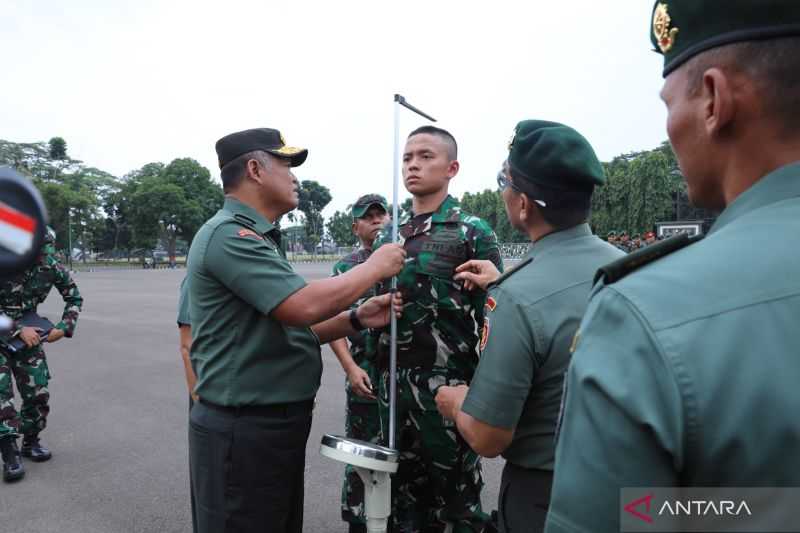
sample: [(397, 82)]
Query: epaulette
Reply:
[(244, 220), (508, 273), (620, 268)]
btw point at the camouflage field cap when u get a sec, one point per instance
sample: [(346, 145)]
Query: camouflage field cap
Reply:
[(363, 204), (266, 139), (681, 29)]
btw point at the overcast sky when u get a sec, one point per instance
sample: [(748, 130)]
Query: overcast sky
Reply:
[(127, 83)]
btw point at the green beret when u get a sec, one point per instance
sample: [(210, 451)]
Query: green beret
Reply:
[(681, 29), (611, 234), (553, 155), (265, 139), (363, 204)]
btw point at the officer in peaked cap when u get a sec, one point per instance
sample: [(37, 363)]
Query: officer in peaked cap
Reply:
[(256, 328), (686, 369), (531, 315)]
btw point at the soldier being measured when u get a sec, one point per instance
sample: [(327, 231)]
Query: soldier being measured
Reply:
[(439, 481)]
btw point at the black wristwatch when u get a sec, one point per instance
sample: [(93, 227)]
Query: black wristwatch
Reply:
[(355, 322)]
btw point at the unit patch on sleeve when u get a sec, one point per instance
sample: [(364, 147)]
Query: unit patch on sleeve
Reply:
[(244, 232), (485, 333)]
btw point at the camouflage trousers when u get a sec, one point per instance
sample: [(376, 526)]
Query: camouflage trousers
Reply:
[(361, 422), (438, 484), (30, 371)]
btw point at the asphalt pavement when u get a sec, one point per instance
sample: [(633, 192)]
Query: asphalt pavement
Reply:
[(118, 420)]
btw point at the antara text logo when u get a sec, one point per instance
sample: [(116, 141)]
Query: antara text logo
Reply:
[(709, 509), (641, 508)]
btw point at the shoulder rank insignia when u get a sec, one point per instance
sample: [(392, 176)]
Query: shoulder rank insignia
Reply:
[(244, 232), (665, 36), (620, 268)]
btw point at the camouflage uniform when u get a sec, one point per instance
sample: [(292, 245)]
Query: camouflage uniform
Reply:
[(29, 366), (361, 418), (439, 481)]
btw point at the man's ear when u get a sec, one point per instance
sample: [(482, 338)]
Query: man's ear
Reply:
[(452, 169), (719, 104), (525, 207), (255, 171), (353, 227)]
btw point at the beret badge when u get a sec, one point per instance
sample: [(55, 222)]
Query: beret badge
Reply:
[(511, 140), (664, 35)]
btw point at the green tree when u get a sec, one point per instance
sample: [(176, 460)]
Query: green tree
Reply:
[(340, 228), (170, 202), (58, 148), (642, 188), (313, 199), (489, 206)]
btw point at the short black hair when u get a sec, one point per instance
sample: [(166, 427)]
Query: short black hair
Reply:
[(565, 217), (774, 67), (233, 172), (452, 146), (563, 208)]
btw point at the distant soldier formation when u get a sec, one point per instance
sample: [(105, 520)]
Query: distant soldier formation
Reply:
[(628, 243)]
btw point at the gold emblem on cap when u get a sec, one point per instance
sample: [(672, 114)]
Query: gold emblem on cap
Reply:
[(283, 141), (664, 35), (511, 140)]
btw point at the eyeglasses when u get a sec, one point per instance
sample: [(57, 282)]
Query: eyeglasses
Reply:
[(503, 182)]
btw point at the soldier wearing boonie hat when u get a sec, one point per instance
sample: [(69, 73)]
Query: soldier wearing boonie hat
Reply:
[(532, 312), (362, 418), (686, 370)]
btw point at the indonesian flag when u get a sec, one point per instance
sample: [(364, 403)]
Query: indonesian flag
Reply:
[(16, 229)]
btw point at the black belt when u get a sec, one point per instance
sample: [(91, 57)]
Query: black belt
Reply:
[(278, 409)]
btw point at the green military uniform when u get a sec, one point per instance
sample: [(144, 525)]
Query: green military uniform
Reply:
[(256, 377), (532, 314), (686, 371), (439, 479), (183, 304), (184, 319), (29, 365), (531, 317), (362, 420)]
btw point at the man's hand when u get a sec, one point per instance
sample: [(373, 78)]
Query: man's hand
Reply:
[(477, 273), (374, 313), (388, 260), (55, 334), (360, 382), (30, 336), (449, 399)]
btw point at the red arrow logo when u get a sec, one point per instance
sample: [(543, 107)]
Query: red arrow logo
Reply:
[(631, 508)]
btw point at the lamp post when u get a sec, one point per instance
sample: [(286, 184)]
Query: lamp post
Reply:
[(69, 236)]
